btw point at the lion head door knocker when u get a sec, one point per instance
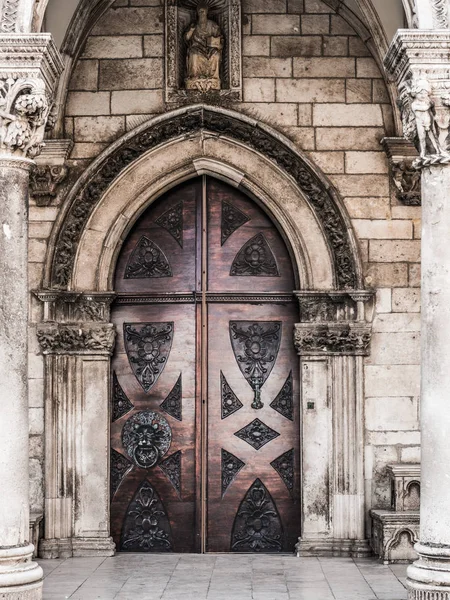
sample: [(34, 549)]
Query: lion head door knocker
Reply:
[(146, 437)]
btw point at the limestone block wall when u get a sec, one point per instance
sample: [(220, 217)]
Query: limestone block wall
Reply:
[(307, 74)]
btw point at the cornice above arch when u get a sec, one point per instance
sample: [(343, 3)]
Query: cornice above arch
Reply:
[(182, 123)]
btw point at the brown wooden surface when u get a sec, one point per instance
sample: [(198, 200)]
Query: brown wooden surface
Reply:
[(185, 358)]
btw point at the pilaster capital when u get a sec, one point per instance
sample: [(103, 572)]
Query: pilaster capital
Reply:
[(30, 66), (92, 338), (418, 61), (323, 339)]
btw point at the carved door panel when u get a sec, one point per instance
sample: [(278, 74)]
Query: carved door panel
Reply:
[(153, 480), (204, 421), (253, 422)]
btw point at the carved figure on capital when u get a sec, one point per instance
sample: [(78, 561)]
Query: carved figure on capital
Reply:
[(426, 120)]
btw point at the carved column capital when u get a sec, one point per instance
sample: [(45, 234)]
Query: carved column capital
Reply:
[(324, 339), (30, 66), (418, 61), (93, 338)]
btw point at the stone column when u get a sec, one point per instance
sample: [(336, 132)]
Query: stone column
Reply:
[(419, 61), (332, 339), (29, 66)]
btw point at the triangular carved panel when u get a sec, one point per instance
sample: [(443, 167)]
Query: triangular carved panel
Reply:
[(147, 261), (148, 347), (284, 466), (172, 221), (255, 259), (230, 402), (171, 467), (120, 466), (257, 525), (232, 220), (146, 526), (284, 402), (121, 405), (231, 465), (173, 404)]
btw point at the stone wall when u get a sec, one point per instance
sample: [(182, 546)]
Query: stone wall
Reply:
[(307, 74)]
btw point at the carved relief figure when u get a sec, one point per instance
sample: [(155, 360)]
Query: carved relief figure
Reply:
[(204, 52), (422, 107)]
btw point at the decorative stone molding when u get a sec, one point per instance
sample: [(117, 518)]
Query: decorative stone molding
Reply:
[(50, 171), (332, 338), (73, 307), (30, 67), (10, 9), (405, 486), (179, 14), (325, 307), (407, 179), (418, 61), (440, 14), (55, 338), (183, 123), (394, 535)]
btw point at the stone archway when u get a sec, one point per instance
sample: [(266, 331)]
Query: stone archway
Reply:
[(77, 338)]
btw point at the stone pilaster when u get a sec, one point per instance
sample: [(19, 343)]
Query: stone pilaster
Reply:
[(419, 61), (29, 67), (77, 340), (332, 339)]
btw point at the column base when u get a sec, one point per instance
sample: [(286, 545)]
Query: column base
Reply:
[(333, 547), (93, 547), (76, 547), (20, 577), (429, 577), (56, 548)]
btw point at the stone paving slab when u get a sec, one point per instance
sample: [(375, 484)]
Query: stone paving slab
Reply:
[(221, 577)]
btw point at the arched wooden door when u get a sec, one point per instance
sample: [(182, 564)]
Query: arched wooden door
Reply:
[(205, 415)]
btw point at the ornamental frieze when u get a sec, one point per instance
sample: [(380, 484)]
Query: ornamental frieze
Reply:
[(332, 338), (55, 338)]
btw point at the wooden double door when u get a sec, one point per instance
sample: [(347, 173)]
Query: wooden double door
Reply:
[(205, 386)]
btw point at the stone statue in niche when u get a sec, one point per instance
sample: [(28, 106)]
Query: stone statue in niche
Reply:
[(205, 42)]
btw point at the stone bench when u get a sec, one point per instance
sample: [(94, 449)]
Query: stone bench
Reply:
[(35, 530)]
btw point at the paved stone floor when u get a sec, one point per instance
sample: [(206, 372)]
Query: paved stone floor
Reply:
[(221, 577)]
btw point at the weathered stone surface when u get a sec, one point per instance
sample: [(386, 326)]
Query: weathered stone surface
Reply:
[(287, 46), (324, 67), (110, 46), (137, 74), (135, 102), (366, 162), (98, 128), (267, 67), (126, 21), (275, 24), (313, 90), (340, 115), (382, 229), (394, 251), (256, 45), (349, 138)]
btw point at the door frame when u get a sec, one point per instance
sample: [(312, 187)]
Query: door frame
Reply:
[(77, 338)]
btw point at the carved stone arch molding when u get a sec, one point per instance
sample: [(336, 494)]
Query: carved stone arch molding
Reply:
[(223, 128), (77, 339)]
